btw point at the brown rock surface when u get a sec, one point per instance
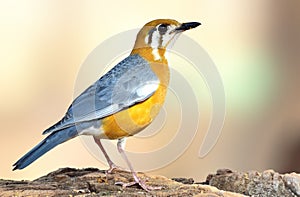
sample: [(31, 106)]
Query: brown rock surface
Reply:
[(94, 182), (253, 183)]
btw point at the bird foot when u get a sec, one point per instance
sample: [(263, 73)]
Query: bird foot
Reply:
[(114, 167), (141, 183)]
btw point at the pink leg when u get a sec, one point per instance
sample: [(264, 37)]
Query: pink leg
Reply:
[(111, 164), (121, 144)]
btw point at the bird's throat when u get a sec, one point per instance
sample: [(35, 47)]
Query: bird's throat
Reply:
[(151, 54)]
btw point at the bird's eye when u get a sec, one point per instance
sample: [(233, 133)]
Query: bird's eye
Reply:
[(162, 28)]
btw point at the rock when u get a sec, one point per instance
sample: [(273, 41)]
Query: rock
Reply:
[(94, 182), (253, 183), (184, 180)]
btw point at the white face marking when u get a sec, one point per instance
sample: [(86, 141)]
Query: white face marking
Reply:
[(155, 54), (156, 40), (147, 39), (172, 41), (168, 36)]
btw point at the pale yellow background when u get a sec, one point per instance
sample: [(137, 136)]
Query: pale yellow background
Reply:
[(255, 45)]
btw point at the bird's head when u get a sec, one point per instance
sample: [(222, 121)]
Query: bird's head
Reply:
[(161, 33)]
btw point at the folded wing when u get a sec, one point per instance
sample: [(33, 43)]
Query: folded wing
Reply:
[(129, 82)]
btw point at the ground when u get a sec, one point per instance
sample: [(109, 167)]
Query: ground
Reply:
[(95, 182)]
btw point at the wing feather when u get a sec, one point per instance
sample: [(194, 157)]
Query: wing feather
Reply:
[(129, 82)]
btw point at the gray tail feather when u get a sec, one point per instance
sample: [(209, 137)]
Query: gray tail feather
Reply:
[(44, 146)]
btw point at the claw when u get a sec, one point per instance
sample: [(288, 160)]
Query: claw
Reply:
[(141, 183), (113, 167)]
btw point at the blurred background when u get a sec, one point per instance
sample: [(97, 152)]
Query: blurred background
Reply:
[(255, 45)]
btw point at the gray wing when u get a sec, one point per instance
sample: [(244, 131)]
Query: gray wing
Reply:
[(129, 82)]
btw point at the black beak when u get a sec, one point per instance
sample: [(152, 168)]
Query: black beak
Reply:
[(187, 26)]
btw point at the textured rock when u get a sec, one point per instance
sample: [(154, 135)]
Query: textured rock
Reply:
[(256, 184), (93, 182)]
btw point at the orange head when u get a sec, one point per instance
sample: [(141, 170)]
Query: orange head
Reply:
[(161, 33)]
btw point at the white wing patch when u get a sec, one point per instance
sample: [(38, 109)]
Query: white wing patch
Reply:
[(147, 89)]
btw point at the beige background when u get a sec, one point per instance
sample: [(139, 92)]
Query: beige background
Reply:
[(255, 45)]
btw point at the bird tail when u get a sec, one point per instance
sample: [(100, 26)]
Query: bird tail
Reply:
[(47, 144)]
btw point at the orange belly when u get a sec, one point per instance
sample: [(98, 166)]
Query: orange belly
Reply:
[(132, 120)]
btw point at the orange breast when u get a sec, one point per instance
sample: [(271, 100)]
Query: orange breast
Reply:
[(134, 119)]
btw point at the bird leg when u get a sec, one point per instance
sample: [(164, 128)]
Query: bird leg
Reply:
[(111, 164), (137, 180)]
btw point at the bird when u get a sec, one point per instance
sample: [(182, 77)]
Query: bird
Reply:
[(123, 101)]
